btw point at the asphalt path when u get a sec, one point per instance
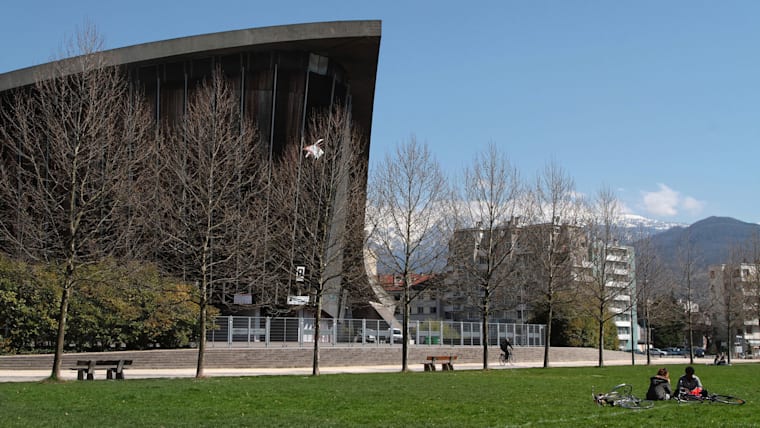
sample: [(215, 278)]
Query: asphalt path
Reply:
[(66, 374)]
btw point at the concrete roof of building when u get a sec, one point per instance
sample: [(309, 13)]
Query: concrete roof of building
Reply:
[(354, 44)]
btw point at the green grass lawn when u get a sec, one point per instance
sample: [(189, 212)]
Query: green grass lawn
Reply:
[(467, 398)]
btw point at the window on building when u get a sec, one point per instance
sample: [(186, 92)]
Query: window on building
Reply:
[(433, 310)]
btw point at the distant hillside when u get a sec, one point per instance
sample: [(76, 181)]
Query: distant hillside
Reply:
[(711, 239)]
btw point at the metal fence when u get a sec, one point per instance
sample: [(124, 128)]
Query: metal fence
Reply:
[(229, 331)]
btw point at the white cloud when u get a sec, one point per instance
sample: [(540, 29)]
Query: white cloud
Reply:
[(667, 202), (624, 208), (692, 205)]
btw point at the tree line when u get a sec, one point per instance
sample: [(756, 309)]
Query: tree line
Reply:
[(494, 241), (498, 242)]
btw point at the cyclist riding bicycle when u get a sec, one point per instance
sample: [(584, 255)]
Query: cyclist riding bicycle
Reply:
[(505, 348)]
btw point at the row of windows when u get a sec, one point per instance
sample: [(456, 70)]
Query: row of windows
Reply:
[(425, 310)]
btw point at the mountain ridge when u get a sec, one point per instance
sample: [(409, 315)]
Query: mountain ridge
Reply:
[(712, 241)]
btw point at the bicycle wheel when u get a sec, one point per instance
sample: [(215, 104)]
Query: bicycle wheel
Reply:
[(511, 359), (726, 399), (634, 403), (502, 359), (621, 391)]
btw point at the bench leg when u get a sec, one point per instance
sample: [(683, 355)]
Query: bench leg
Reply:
[(448, 366), (429, 367), (80, 374), (119, 375), (109, 373)]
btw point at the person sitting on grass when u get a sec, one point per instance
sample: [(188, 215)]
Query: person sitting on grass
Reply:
[(659, 386), (689, 383), (722, 361)]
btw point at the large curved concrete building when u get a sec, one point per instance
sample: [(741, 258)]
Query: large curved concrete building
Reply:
[(282, 72), (281, 75)]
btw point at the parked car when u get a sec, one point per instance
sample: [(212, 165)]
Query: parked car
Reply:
[(658, 352), (699, 352), (372, 336), (674, 351)]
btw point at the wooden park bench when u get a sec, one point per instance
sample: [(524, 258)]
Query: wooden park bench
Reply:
[(114, 368), (446, 362)]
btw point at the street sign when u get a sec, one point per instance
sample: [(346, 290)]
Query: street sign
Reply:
[(298, 300), (242, 299)]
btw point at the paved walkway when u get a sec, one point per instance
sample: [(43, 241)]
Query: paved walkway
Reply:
[(37, 375)]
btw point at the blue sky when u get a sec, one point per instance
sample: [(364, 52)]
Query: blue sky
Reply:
[(659, 100)]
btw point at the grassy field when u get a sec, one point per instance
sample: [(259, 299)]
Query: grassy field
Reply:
[(468, 398)]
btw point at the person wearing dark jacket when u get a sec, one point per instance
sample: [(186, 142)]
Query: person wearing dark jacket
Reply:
[(659, 386), (689, 383)]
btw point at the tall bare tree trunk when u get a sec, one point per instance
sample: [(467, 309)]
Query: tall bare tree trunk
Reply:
[(484, 322), (317, 334), (60, 336), (548, 335)]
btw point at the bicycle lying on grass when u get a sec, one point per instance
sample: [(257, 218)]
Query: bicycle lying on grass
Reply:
[(621, 396), (690, 397)]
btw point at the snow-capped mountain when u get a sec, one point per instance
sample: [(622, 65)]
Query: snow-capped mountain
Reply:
[(635, 227), (635, 220)]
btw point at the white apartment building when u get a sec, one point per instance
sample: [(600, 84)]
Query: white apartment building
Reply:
[(619, 275), (621, 279), (735, 306)]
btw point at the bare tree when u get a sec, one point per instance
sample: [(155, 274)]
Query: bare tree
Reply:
[(482, 257), (730, 305), (323, 195), (687, 260), (605, 287), (206, 214), (71, 146), (650, 277), (752, 292), (409, 216), (551, 244)]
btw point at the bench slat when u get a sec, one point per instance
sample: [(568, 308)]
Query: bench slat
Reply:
[(112, 367), (446, 362)]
